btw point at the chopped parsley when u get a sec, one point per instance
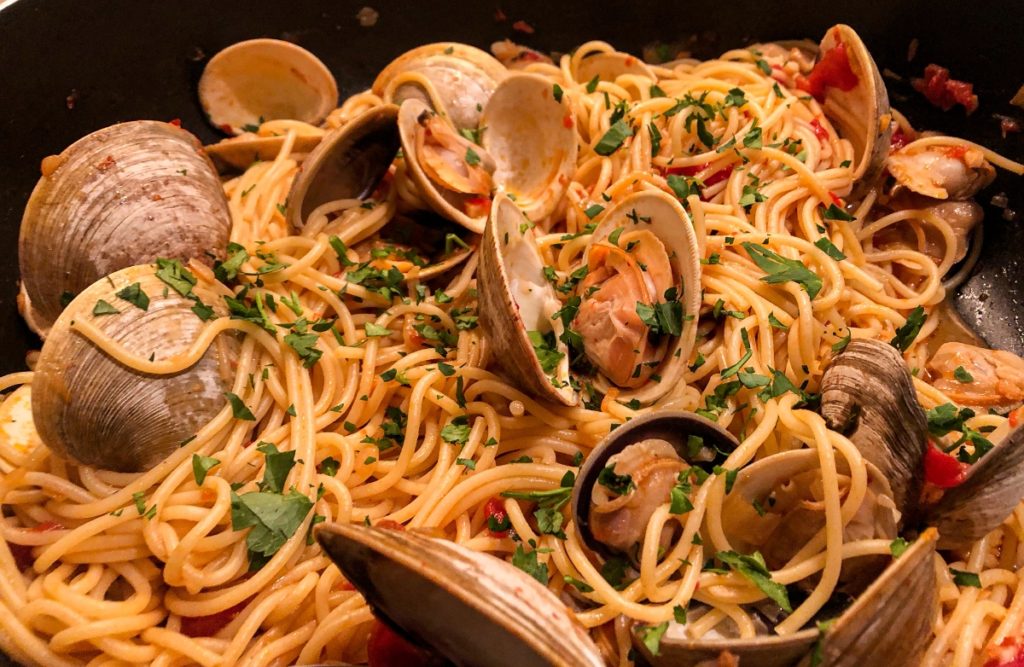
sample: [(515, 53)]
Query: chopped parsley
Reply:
[(960, 374), (202, 465), (756, 570), (780, 269), (962, 578), (613, 138), (180, 279), (273, 518), (238, 408), (906, 334), (617, 484), (829, 248), (651, 636), (527, 562), (104, 308), (134, 295)]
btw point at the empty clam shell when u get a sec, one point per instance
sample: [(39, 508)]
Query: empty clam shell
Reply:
[(990, 491), (265, 79), (888, 624), (859, 107), (453, 79), (518, 304), (674, 427), (868, 395), (89, 407), (533, 146), (609, 66), (242, 151), (123, 195), (470, 607), (348, 163), (661, 265)]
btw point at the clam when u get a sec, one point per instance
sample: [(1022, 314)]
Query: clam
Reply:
[(348, 163), (241, 152), (989, 492), (120, 196), (452, 79), (90, 407), (775, 508), (868, 395), (420, 241), (265, 79), (524, 147), (850, 88), (652, 449), (643, 252), (518, 306), (610, 65), (888, 624), (941, 170), (469, 607)]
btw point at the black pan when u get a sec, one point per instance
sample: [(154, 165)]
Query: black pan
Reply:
[(68, 67)]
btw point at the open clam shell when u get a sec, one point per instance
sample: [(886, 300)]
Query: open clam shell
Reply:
[(533, 147), (419, 239), (348, 163), (450, 78), (90, 407), (888, 624), (470, 607), (609, 66), (767, 511), (868, 395), (121, 196), (517, 302), (990, 491), (675, 427), (239, 153), (650, 230), (861, 110), (265, 79), (943, 170)]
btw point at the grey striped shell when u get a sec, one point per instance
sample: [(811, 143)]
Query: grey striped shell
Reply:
[(121, 196)]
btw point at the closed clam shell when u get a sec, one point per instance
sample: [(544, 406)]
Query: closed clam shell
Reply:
[(348, 163), (90, 407), (121, 196), (663, 216), (990, 491), (532, 139), (867, 394), (516, 298), (861, 113), (450, 78), (265, 79), (472, 608)]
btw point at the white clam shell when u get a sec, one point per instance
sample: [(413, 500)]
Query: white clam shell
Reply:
[(266, 79)]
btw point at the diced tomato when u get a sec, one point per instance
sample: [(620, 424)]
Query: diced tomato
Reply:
[(819, 130), (1009, 653), (176, 122), (942, 469), (567, 122), (956, 152), (388, 524), (1016, 416), (692, 170), (832, 71), (23, 552), (899, 139), (523, 26), (386, 648), (1008, 125), (226, 129), (526, 55), (495, 509), (499, 16), (943, 91), (207, 626), (476, 207), (718, 176)]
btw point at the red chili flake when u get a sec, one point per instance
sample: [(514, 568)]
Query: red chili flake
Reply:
[(835, 199), (389, 524), (176, 122), (386, 648), (207, 626), (942, 469), (72, 99), (630, 61), (1008, 653), (523, 26), (477, 206), (22, 553), (1007, 125), (832, 71), (226, 129), (526, 55), (899, 139), (819, 130), (1016, 416), (495, 509), (156, 198), (106, 163), (499, 16), (956, 152), (943, 91), (567, 121)]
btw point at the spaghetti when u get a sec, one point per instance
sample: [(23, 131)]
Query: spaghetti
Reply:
[(402, 418)]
